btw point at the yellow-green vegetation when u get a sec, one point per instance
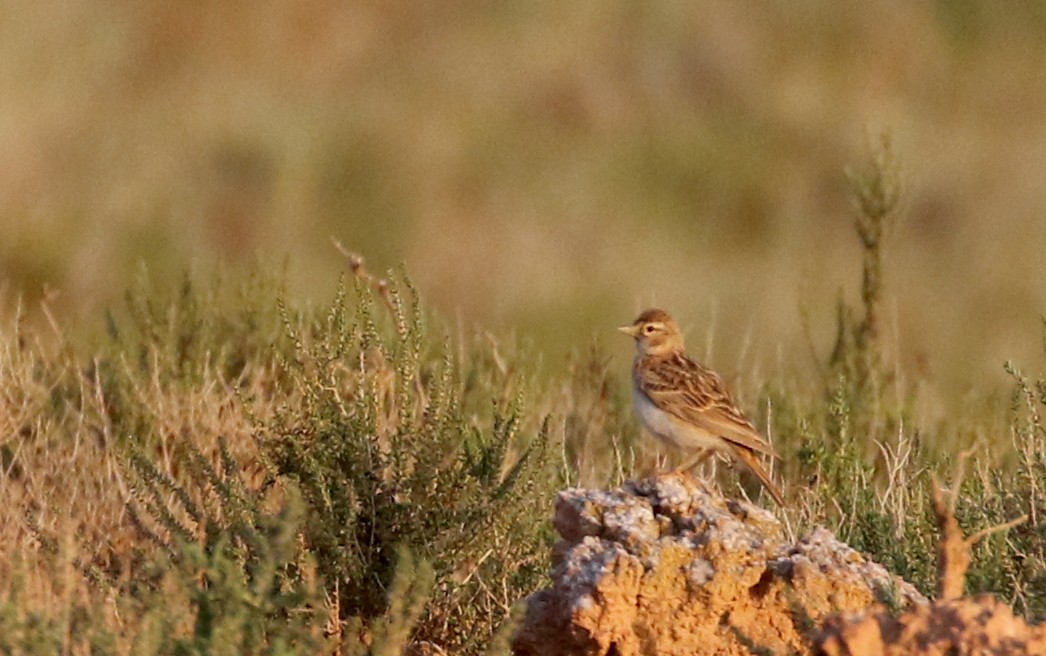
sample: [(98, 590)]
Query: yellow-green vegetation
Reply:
[(230, 472), (687, 155), (240, 477)]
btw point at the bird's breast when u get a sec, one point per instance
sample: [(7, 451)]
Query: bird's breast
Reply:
[(670, 428)]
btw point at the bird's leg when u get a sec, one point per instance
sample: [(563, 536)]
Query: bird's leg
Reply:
[(699, 458)]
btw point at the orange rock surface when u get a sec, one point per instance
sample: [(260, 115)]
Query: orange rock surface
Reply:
[(668, 566)]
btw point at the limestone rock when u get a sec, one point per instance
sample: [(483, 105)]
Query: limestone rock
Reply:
[(668, 566)]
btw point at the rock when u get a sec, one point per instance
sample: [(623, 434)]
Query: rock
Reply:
[(982, 625), (668, 566)]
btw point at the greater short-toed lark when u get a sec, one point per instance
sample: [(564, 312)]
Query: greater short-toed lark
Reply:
[(685, 404)]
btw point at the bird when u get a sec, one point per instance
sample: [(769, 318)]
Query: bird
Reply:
[(684, 404)]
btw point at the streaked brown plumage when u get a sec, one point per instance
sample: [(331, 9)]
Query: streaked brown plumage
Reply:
[(685, 404)]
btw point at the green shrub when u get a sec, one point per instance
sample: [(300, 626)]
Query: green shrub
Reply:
[(388, 455), (360, 453), (244, 582)]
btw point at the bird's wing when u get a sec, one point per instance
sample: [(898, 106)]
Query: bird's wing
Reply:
[(684, 388)]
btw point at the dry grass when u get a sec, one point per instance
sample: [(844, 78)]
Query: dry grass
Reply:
[(351, 433)]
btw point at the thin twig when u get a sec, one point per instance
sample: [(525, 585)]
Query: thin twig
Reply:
[(358, 269), (983, 533)]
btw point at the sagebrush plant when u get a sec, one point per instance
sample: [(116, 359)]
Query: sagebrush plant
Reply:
[(382, 442), (154, 474), (388, 458), (251, 584)]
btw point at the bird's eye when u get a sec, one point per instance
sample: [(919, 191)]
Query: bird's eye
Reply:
[(649, 328)]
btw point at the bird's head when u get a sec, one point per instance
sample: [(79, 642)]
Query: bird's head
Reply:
[(655, 333)]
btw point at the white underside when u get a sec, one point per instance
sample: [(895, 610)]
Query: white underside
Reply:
[(671, 429)]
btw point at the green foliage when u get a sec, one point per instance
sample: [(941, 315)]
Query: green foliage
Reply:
[(167, 345), (387, 456), (1014, 563), (376, 488), (866, 461), (183, 336), (408, 595), (875, 192), (374, 442), (242, 575)]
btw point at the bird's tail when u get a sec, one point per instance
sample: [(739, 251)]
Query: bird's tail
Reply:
[(752, 462)]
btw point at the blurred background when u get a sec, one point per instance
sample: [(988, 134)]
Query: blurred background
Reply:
[(544, 169)]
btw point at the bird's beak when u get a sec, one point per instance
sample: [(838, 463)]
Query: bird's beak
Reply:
[(631, 331)]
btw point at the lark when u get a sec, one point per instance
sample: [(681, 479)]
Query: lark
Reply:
[(686, 405)]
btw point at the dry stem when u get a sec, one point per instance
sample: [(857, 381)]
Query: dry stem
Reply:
[(953, 551)]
